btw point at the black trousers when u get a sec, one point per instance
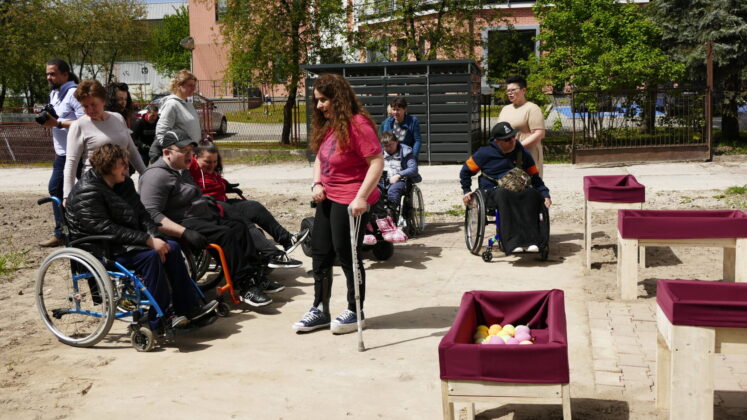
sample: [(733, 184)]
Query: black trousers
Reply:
[(233, 236), (331, 238), (254, 213)]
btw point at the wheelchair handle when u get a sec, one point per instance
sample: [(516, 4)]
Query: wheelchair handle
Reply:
[(49, 199)]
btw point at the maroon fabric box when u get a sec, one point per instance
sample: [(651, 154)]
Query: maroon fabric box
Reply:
[(614, 189), (545, 361), (703, 303), (681, 224)]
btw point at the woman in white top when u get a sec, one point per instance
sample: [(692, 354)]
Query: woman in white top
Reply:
[(97, 127), (176, 113)]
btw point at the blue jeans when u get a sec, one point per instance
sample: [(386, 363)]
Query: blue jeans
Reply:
[(55, 190), (157, 277)]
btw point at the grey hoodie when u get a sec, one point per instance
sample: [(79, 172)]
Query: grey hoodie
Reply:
[(174, 113)]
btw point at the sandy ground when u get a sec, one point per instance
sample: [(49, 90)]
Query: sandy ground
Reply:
[(252, 365)]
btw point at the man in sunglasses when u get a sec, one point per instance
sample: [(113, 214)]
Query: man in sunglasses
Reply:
[(502, 154)]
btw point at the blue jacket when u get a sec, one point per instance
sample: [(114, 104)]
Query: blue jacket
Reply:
[(412, 137), (491, 161), (409, 164)]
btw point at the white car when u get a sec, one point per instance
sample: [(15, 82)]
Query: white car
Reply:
[(218, 121)]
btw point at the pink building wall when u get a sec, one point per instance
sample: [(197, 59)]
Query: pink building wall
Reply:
[(210, 56)]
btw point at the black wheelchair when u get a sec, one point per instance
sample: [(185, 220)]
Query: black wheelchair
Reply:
[(478, 215), (79, 296), (408, 214)]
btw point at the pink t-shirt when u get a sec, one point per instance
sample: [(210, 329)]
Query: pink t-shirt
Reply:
[(343, 171)]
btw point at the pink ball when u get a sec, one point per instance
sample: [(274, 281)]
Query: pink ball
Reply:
[(496, 340), (522, 328), (523, 336), (512, 340)]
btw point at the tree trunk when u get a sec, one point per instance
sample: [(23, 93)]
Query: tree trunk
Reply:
[(288, 112), (3, 90), (649, 112), (729, 109)]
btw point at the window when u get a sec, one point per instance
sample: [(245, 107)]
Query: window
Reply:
[(221, 8)]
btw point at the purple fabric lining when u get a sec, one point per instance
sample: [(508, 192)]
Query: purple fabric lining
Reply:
[(614, 189), (545, 361), (703, 303), (681, 224)]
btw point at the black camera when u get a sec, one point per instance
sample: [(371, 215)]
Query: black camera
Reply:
[(45, 114)]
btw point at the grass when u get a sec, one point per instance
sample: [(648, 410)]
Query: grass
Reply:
[(11, 260), (26, 165), (456, 210), (735, 197), (267, 159), (263, 115)]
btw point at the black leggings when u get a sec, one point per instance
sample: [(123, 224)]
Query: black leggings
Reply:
[(331, 237), (253, 213)]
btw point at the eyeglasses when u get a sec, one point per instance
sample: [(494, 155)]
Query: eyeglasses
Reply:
[(512, 90), (183, 152)]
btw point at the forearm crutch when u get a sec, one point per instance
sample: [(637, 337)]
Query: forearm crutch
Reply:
[(355, 225)]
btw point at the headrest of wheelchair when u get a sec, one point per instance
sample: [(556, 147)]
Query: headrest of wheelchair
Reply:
[(502, 131), (177, 137)]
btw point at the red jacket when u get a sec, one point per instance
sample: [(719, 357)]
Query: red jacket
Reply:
[(211, 184)]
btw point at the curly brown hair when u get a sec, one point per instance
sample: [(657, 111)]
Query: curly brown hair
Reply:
[(344, 106), (90, 88), (105, 157)]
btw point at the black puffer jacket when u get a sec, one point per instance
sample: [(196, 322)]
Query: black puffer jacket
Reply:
[(94, 208)]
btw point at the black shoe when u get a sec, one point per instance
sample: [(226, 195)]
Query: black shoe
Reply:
[(179, 321), (269, 286), (203, 310), (256, 297), (283, 261), (296, 240)]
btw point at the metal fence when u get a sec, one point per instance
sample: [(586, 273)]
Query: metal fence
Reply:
[(22, 140), (251, 121)]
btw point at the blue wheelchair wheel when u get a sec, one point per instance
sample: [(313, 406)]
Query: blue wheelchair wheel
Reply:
[(74, 297)]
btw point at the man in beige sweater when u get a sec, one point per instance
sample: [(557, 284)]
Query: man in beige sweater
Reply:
[(526, 117)]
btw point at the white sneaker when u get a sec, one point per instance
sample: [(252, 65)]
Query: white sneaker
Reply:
[(533, 248), (346, 322), (517, 249)]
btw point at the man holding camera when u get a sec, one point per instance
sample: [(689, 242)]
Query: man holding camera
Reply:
[(59, 115)]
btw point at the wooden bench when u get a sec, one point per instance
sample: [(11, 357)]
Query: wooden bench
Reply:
[(725, 229), (609, 192), (685, 353)]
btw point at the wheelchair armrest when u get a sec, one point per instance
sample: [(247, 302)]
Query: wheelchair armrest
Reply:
[(90, 239), (45, 200)]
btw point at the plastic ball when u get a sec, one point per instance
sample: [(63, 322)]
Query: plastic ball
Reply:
[(522, 328), (504, 333), (505, 338), (512, 341), (509, 328), (526, 342), (496, 340), (494, 329), (480, 334), (482, 327), (523, 336)]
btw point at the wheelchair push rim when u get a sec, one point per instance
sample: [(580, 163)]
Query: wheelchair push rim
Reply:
[(74, 297), (416, 217), (474, 223)]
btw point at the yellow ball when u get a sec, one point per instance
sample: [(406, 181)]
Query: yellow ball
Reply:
[(526, 342), (504, 333), (494, 329), (480, 334), (510, 329), (505, 338), (482, 327)]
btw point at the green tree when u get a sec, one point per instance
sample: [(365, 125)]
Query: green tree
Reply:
[(423, 29), (164, 51), (688, 25), (268, 41)]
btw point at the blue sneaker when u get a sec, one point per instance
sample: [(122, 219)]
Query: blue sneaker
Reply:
[(346, 322), (312, 320)]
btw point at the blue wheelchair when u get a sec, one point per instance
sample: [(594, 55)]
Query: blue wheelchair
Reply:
[(79, 296)]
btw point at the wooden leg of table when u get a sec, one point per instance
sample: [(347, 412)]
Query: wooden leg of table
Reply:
[(663, 373), (730, 259), (587, 234), (692, 372), (448, 407), (627, 267), (565, 389), (740, 261), (470, 411), (642, 250)]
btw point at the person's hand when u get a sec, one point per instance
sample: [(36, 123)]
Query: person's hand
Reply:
[(548, 202), (64, 202), (194, 239), (358, 206), (467, 199), (160, 246), (395, 178), (51, 122), (317, 193)]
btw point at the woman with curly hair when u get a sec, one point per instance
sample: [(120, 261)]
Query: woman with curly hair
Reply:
[(348, 165)]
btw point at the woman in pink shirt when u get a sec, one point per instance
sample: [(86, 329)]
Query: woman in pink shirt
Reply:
[(348, 165)]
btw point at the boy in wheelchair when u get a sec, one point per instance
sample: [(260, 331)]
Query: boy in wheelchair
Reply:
[(400, 168), (104, 202), (507, 171)]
